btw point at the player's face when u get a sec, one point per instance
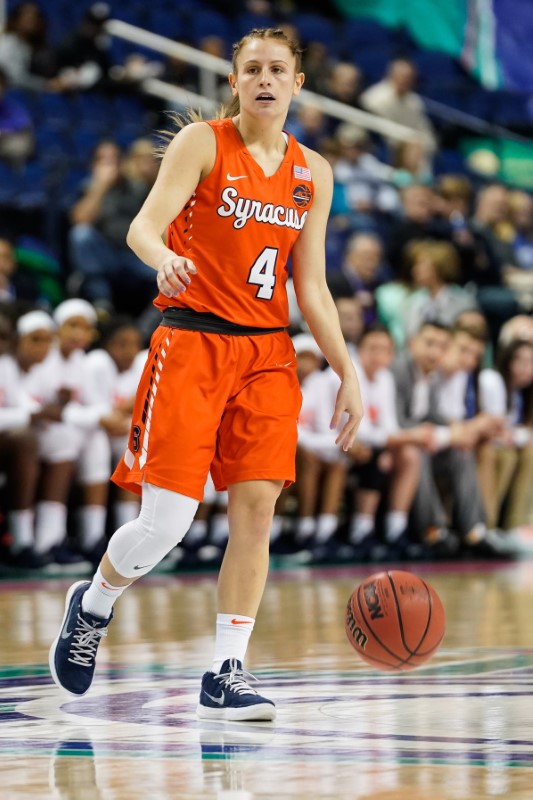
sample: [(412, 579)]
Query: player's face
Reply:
[(429, 347), (75, 333), (123, 347), (375, 352), (266, 78), (522, 367), (306, 363), (34, 347), (468, 351)]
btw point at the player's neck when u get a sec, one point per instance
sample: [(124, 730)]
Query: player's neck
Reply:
[(263, 135)]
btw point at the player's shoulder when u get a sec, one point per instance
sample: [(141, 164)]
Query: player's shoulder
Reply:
[(8, 365), (98, 358), (197, 133), (316, 162)]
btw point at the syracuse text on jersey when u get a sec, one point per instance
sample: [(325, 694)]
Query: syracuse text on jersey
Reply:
[(243, 209)]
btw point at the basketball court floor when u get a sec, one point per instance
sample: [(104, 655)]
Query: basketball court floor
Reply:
[(460, 728)]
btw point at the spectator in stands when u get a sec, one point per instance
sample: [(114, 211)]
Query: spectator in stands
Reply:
[(434, 268), (316, 66), (411, 164), (395, 457), (518, 327), (450, 458), (101, 217), (24, 54), (453, 199), (521, 218), (491, 223), (16, 127), (83, 57), (344, 84), (506, 464), (395, 99), (362, 272), (14, 284), (309, 126), (417, 220), (367, 182), (351, 320), (457, 391)]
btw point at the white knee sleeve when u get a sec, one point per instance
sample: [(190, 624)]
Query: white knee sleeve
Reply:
[(164, 520)]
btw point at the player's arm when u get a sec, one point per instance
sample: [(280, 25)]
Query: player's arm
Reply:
[(316, 303), (189, 158)]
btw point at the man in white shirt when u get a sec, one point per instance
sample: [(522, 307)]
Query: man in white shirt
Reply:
[(394, 98), (394, 463)]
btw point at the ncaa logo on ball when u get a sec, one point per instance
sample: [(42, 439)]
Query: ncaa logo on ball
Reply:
[(301, 195)]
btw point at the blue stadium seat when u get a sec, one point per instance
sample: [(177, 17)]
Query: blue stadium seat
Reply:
[(210, 23), (434, 67), (167, 22), (31, 190), (449, 161), (364, 32), (372, 62), (9, 184), (245, 21), (315, 28), (510, 108), (58, 110)]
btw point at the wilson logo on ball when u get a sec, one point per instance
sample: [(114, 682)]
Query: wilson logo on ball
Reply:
[(359, 638), (301, 195)]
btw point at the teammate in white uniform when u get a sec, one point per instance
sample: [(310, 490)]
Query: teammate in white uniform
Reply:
[(18, 439), (78, 441), (111, 376)]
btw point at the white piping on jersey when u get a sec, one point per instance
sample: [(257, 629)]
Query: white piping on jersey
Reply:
[(129, 457), (244, 209)]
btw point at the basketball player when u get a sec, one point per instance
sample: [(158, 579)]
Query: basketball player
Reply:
[(236, 196)]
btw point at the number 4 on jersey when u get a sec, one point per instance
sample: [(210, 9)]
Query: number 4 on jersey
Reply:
[(263, 273)]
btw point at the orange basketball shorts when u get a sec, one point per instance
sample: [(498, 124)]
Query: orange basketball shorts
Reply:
[(209, 401)]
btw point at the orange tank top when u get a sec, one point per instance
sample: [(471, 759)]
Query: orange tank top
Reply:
[(239, 228)]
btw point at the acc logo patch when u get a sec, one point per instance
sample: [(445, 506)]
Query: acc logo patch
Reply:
[(301, 195)]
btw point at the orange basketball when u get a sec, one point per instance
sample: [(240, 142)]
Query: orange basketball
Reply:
[(395, 620)]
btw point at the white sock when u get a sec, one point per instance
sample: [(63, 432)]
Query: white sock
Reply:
[(100, 596), (395, 525), (361, 526), (305, 528), (125, 511), (20, 526), (196, 532), (325, 527), (276, 528), (91, 525), (233, 634), (50, 525), (219, 529)]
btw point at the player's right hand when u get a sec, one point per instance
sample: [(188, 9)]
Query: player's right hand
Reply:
[(173, 275)]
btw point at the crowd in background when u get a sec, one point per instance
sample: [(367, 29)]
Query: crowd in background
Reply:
[(432, 275)]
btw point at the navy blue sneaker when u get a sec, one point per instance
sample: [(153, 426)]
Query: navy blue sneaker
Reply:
[(227, 696), (72, 657)]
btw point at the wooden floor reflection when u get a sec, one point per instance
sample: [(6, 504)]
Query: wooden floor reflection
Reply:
[(460, 728)]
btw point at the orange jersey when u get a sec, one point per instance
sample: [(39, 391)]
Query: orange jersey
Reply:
[(238, 228)]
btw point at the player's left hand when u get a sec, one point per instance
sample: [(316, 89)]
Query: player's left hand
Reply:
[(348, 401)]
